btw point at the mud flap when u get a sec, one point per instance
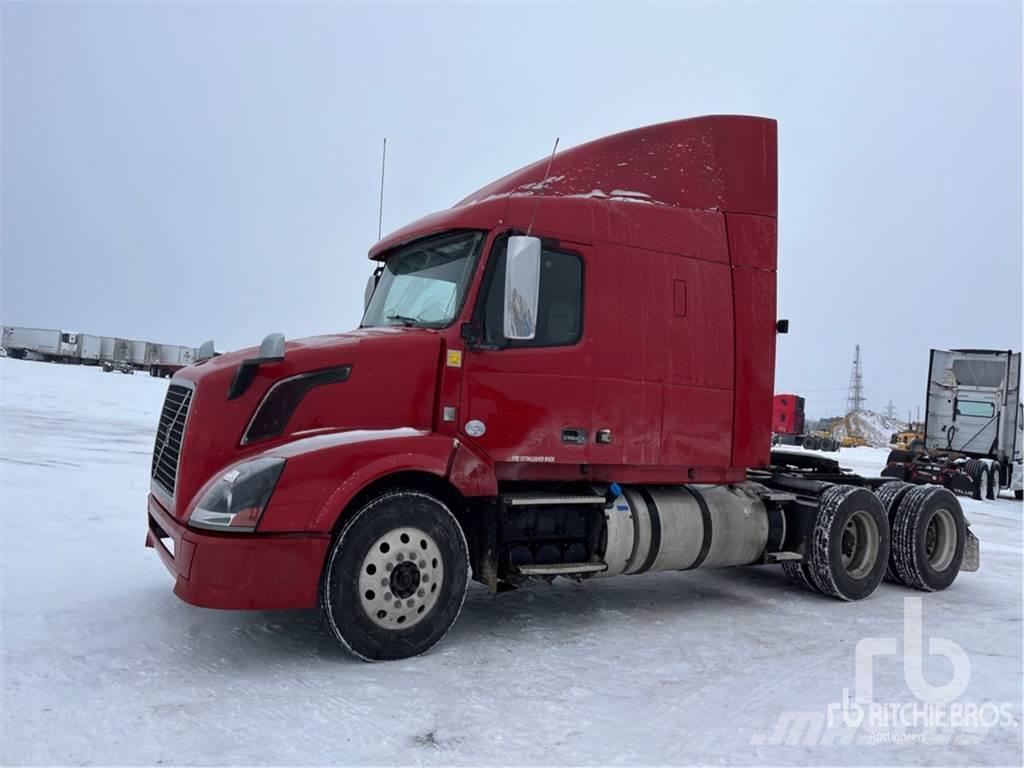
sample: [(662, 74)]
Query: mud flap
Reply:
[(972, 553)]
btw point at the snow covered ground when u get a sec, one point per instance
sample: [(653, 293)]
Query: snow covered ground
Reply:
[(101, 664)]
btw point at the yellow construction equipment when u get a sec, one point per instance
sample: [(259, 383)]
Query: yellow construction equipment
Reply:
[(909, 439)]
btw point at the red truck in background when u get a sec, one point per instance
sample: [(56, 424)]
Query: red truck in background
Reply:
[(568, 373), (789, 425)]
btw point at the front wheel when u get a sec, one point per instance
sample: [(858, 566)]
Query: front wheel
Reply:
[(396, 577)]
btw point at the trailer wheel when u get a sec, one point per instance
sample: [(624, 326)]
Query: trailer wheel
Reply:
[(891, 494), (928, 538), (395, 577), (850, 543), (811, 443)]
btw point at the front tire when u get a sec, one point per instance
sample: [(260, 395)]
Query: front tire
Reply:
[(396, 577)]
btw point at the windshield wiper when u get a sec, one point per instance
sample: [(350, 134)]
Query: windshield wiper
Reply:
[(408, 322)]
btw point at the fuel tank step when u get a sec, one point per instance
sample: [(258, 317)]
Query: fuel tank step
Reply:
[(549, 499), (560, 569)]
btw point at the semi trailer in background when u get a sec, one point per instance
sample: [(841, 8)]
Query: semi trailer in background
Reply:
[(568, 373), (973, 425), (110, 352), (789, 426), (33, 343)]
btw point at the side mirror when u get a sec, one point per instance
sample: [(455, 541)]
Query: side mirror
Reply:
[(522, 287), (272, 347)]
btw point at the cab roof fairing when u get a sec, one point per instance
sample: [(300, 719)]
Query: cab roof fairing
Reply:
[(722, 163)]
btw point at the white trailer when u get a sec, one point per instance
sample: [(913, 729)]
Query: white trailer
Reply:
[(36, 343), (170, 358), (89, 348), (116, 354)]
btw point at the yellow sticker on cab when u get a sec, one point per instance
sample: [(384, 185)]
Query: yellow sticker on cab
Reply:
[(454, 358)]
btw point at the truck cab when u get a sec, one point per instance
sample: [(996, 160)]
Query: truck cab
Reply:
[(568, 373)]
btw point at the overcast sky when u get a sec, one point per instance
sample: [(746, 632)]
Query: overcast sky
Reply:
[(177, 172)]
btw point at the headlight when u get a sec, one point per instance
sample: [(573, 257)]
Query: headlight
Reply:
[(236, 501)]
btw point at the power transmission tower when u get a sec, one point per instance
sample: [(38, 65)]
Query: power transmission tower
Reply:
[(890, 410), (855, 399)]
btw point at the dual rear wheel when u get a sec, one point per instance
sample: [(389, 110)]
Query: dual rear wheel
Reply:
[(849, 545), (912, 535)]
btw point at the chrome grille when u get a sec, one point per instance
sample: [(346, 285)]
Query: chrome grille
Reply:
[(169, 435)]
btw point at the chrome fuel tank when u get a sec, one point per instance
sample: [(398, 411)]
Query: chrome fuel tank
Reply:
[(674, 528)]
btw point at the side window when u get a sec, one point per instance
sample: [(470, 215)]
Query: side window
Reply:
[(559, 306), (975, 408)]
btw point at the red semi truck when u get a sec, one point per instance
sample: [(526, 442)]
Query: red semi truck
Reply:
[(568, 373), (789, 425)]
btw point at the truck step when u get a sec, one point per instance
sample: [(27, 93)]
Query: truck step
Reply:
[(770, 494), (782, 557), (560, 569), (548, 499)]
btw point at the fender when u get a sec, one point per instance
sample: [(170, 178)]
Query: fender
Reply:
[(310, 498)]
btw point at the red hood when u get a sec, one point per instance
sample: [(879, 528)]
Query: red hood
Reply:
[(391, 385)]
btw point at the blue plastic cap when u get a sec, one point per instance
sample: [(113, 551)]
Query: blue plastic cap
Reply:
[(614, 489)]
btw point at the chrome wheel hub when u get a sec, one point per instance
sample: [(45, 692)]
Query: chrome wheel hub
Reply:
[(400, 578), (859, 544), (940, 539)]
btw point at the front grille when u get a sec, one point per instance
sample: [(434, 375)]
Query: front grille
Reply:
[(169, 436)]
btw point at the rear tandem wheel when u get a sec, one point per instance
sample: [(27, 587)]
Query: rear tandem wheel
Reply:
[(849, 547)]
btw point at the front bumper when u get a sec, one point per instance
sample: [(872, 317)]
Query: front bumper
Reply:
[(241, 571)]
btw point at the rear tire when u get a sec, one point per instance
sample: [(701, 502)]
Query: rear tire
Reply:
[(978, 472), (811, 443), (798, 573), (928, 538), (396, 577), (891, 494), (993, 482), (850, 543)]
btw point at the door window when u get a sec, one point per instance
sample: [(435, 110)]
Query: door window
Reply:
[(559, 306)]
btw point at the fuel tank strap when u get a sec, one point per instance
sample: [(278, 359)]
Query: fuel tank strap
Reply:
[(655, 517), (705, 514)]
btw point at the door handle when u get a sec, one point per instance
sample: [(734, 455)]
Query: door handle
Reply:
[(574, 436)]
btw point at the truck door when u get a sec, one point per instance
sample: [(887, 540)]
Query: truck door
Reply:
[(529, 402)]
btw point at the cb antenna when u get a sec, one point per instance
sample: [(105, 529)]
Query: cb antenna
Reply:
[(380, 213), (546, 174)]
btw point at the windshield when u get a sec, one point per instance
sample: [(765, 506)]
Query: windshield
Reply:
[(424, 283)]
